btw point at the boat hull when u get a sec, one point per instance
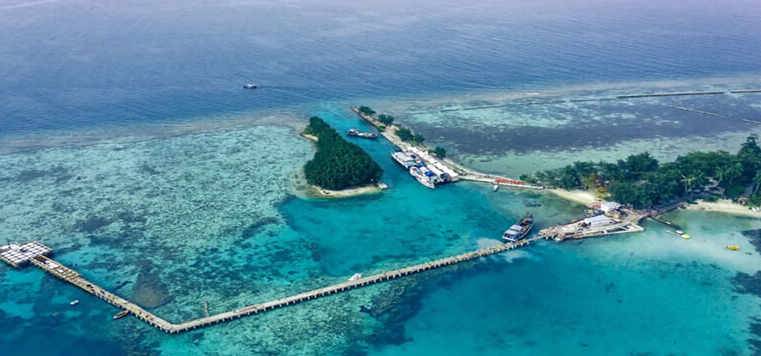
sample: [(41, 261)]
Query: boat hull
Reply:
[(527, 224)]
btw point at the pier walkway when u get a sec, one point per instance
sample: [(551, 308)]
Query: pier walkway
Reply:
[(58, 270), (389, 132)]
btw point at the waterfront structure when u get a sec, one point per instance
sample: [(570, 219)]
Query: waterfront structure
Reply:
[(39, 258)]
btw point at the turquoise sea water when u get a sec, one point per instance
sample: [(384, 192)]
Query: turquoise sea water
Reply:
[(128, 146)]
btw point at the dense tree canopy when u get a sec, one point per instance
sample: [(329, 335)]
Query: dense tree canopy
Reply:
[(366, 110), (385, 119), (439, 151), (404, 134), (338, 164), (641, 181)]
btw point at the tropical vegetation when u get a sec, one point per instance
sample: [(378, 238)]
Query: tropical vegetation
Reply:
[(641, 181), (439, 151), (366, 110), (386, 119), (338, 164)]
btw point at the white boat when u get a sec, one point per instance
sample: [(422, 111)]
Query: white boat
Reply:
[(404, 158), (496, 187), (421, 177), (74, 302), (250, 86), (355, 277)]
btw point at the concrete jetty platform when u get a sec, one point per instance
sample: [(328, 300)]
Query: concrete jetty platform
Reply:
[(625, 222), (36, 253), (389, 132)]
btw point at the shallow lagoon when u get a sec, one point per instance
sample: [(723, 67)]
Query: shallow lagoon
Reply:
[(209, 216)]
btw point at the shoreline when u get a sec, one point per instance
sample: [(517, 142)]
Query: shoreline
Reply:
[(582, 197), (724, 206), (317, 192), (302, 189)]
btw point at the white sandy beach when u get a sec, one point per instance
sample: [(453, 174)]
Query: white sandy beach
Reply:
[(579, 196), (724, 206)]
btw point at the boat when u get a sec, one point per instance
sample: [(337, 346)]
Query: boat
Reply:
[(686, 236), (733, 247), (357, 133), (496, 187), (74, 302), (679, 232), (249, 86), (355, 277), (405, 159), (520, 230), (121, 314), (421, 177)]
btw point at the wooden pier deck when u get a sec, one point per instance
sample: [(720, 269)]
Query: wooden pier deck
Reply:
[(69, 275)]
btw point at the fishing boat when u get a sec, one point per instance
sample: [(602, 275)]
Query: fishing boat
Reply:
[(121, 314), (520, 230), (250, 86), (355, 277), (733, 247), (421, 177), (357, 133), (74, 302)]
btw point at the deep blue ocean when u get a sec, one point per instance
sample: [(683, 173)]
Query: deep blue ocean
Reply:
[(73, 64), (210, 214)]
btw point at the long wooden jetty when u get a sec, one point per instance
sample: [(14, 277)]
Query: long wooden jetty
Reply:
[(36, 254)]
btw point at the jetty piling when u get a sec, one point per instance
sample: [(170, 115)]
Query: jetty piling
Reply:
[(36, 254)]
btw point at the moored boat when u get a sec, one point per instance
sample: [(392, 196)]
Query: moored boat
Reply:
[(405, 159), (733, 247), (121, 314), (355, 277), (357, 133), (520, 230), (421, 177)]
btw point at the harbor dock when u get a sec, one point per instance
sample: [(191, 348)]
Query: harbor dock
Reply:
[(614, 220), (35, 253), (454, 171)]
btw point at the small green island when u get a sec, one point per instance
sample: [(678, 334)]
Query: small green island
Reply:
[(640, 181), (338, 165)]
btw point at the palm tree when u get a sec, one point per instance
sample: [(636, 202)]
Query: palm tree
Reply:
[(757, 180), (699, 180), (721, 173), (734, 172), (687, 183)]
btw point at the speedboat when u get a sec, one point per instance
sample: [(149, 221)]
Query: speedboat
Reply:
[(733, 247), (249, 86), (355, 277), (496, 187), (74, 302)]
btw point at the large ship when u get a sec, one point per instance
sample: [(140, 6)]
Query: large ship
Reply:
[(422, 176), (520, 230)]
